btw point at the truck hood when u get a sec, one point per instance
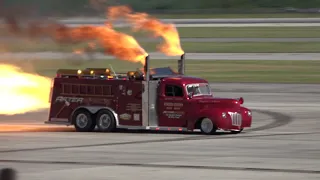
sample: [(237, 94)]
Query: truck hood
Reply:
[(220, 101)]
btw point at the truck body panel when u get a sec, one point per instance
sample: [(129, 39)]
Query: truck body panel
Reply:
[(167, 100)]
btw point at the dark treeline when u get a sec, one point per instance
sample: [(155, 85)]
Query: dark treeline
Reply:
[(69, 7)]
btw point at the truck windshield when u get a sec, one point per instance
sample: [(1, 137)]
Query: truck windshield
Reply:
[(198, 89)]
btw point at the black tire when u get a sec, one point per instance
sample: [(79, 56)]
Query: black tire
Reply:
[(105, 121), (207, 126), (83, 122)]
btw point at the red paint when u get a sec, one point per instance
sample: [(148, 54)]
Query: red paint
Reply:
[(106, 93)]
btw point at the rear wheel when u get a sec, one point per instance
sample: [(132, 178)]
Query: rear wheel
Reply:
[(106, 121), (83, 121), (207, 126)]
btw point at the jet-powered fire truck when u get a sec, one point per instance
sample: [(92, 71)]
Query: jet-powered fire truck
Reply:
[(154, 99)]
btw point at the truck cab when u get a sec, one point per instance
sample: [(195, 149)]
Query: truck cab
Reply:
[(188, 102), (155, 99)]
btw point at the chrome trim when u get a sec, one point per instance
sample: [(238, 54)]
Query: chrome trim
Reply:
[(236, 118), (59, 119), (58, 123), (161, 128)]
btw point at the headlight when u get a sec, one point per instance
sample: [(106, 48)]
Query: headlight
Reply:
[(224, 115), (249, 113)]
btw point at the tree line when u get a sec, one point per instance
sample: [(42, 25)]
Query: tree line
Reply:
[(84, 6)]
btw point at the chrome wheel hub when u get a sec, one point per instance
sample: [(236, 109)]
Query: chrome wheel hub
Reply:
[(81, 120), (105, 121), (206, 125)]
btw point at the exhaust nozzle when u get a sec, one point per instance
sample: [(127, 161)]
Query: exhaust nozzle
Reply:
[(146, 68), (181, 64)]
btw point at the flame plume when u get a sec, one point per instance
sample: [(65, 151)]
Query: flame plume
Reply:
[(121, 45), (22, 92), (142, 21), (114, 43)]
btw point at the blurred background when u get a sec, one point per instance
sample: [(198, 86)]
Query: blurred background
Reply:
[(165, 7)]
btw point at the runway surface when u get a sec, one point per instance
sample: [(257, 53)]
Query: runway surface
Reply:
[(282, 144), (95, 20), (228, 22), (156, 55)]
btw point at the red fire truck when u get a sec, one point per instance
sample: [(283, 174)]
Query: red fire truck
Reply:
[(152, 98)]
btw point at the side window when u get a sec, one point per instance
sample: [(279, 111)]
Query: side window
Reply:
[(169, 90), (172, 90)]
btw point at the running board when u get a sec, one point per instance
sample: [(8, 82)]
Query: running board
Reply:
[(58, 123), (159, 128)]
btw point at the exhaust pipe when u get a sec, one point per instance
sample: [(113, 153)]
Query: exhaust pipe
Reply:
[(181, 64), (146, 68), (146, 94)]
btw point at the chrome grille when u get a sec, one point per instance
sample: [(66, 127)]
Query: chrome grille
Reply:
[(236, 118)]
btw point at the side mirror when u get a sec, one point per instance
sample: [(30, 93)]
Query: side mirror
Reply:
[(241, 101)]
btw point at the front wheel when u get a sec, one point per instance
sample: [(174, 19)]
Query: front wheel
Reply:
[(207, 126)]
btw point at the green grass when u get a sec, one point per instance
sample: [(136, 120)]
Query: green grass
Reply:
[(252, 47), (207, 16), (214, 71), (239, 32), (225, 32), (250, 32), (199, 47)]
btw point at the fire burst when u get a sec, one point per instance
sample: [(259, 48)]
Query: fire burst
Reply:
[(114, 43), (118, 44), (142, 21), (22, 92)]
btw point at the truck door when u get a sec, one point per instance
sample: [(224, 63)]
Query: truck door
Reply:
[(130, 103), (172, 107)]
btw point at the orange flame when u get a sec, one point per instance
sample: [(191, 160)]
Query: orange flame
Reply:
[(117, 44), (22, 92), (78, 51), (121, 45), (142, 21)]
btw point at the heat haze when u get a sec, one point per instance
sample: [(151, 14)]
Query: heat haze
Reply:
[(143, 22), (22, 92)]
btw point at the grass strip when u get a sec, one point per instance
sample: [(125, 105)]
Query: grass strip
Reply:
[(229, 32)]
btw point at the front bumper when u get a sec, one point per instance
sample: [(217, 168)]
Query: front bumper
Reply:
[(235, 120)]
